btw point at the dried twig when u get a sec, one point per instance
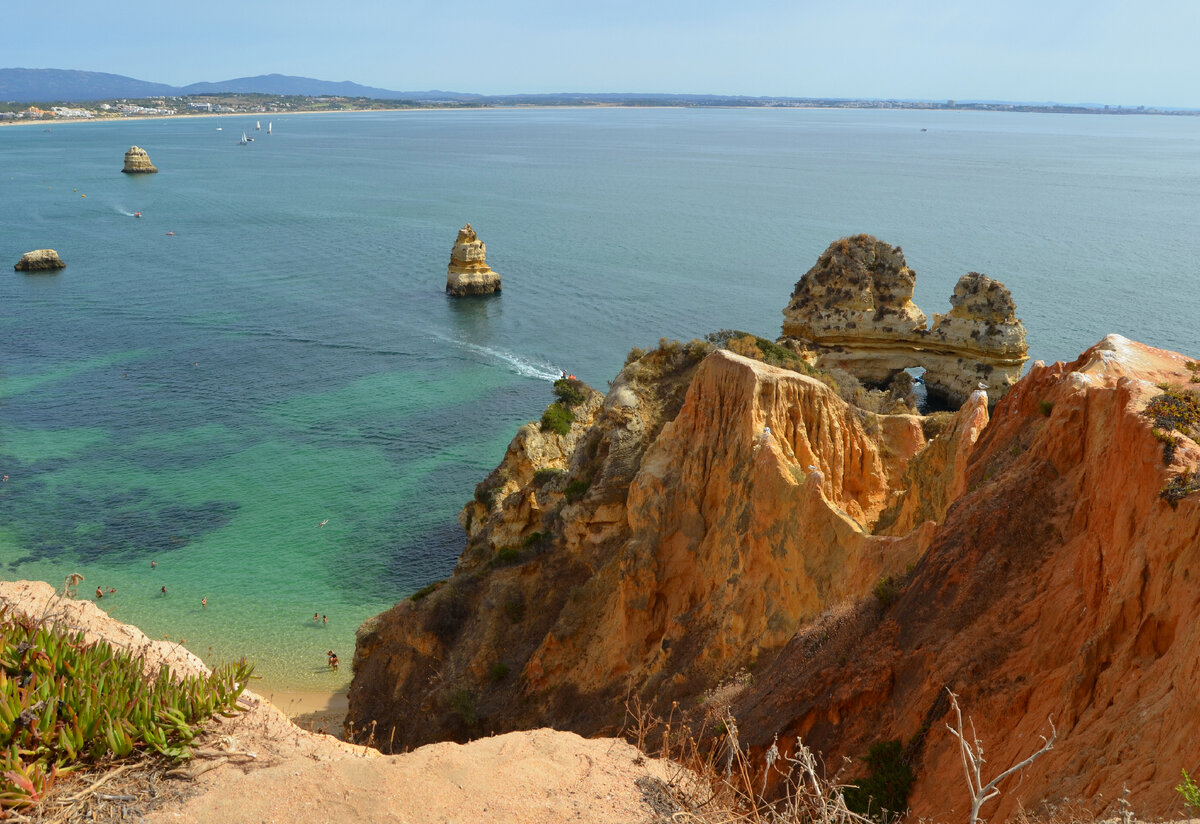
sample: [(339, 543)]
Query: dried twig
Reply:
[(972, 758)]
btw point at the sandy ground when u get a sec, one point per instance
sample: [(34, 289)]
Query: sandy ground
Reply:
[(321, 712), (260, 768)]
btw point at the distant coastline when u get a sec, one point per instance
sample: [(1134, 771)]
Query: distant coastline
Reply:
[(265, 106)]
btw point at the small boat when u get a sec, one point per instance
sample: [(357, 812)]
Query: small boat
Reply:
[(137, 214), (219, 128), (258, 125), (244, 140), (268, 127)]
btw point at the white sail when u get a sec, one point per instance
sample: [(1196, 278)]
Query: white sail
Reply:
[(258, 125), (268, 127)]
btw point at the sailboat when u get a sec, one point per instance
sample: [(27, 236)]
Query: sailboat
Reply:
[(258, 125), (268, 127), (244, 140)]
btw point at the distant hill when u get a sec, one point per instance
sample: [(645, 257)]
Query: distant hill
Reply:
[(286, 84), (70, 86), (59, 85)]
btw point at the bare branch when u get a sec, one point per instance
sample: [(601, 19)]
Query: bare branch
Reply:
[(972, 758)]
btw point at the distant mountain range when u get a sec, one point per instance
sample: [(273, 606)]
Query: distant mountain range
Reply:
[(70, 86)]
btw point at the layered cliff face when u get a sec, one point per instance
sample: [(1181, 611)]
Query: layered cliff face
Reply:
[(854, 307), (137, 162), (1061, 584), (709, 507), (468, 272)]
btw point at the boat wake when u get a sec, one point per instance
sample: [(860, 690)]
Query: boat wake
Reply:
[(121, 211), (522, 366)]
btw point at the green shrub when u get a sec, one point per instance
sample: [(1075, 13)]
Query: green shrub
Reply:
[(883, 794), (514, 608), (557, 419), (499, 671), (425, 590), (1175, 409), (569, 392), (1045, 407), (534, 540), (1188, 791), (462, 704), (545, 476), (575, 490), (66, 703), (506, 556), (935, 423), (635, 354), (1180, 487), (886, 591)]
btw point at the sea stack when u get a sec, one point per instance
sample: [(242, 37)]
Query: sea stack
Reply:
[(39, 260), (137, 162), (468, 273), (854, 309)]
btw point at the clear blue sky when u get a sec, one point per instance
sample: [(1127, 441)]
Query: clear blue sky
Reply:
[(1098, 51)]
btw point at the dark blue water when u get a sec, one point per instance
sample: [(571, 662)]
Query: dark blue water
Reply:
[(205, 399)]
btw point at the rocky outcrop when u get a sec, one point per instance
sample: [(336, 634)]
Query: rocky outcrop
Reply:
[(710, 507), (137, 162), (468, 273), (1060, 585), (854, 307), (39, 260)]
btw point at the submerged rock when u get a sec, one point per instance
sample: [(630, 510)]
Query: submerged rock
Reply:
[(468, 273), (137, 162), (39, 260), (854, 307)]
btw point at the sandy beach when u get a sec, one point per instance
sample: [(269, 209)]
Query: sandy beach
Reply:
[(314, 711)]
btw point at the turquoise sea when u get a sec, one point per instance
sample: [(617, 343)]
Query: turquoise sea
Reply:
[(205, 399)]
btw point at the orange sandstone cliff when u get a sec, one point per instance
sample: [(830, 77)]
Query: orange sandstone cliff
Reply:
[(708, 507), (712, 516), (1061, 585)]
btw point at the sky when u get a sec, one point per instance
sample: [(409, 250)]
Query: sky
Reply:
[(1118, 52)]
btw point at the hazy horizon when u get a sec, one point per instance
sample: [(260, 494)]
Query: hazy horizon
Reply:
[(1102, 53)]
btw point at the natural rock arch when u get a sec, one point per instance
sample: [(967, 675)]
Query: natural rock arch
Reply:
[(854, 308)]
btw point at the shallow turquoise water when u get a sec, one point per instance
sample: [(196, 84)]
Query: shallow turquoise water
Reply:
[(288, 356)]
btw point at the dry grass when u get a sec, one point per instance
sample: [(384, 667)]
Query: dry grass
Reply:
[(716, 783)]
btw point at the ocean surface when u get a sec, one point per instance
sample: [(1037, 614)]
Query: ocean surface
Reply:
[(288, 357)]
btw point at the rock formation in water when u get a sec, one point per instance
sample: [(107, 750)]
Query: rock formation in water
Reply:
[(39, 260), (468, 273), (1062, 583), (855, 309), (137, 162)]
